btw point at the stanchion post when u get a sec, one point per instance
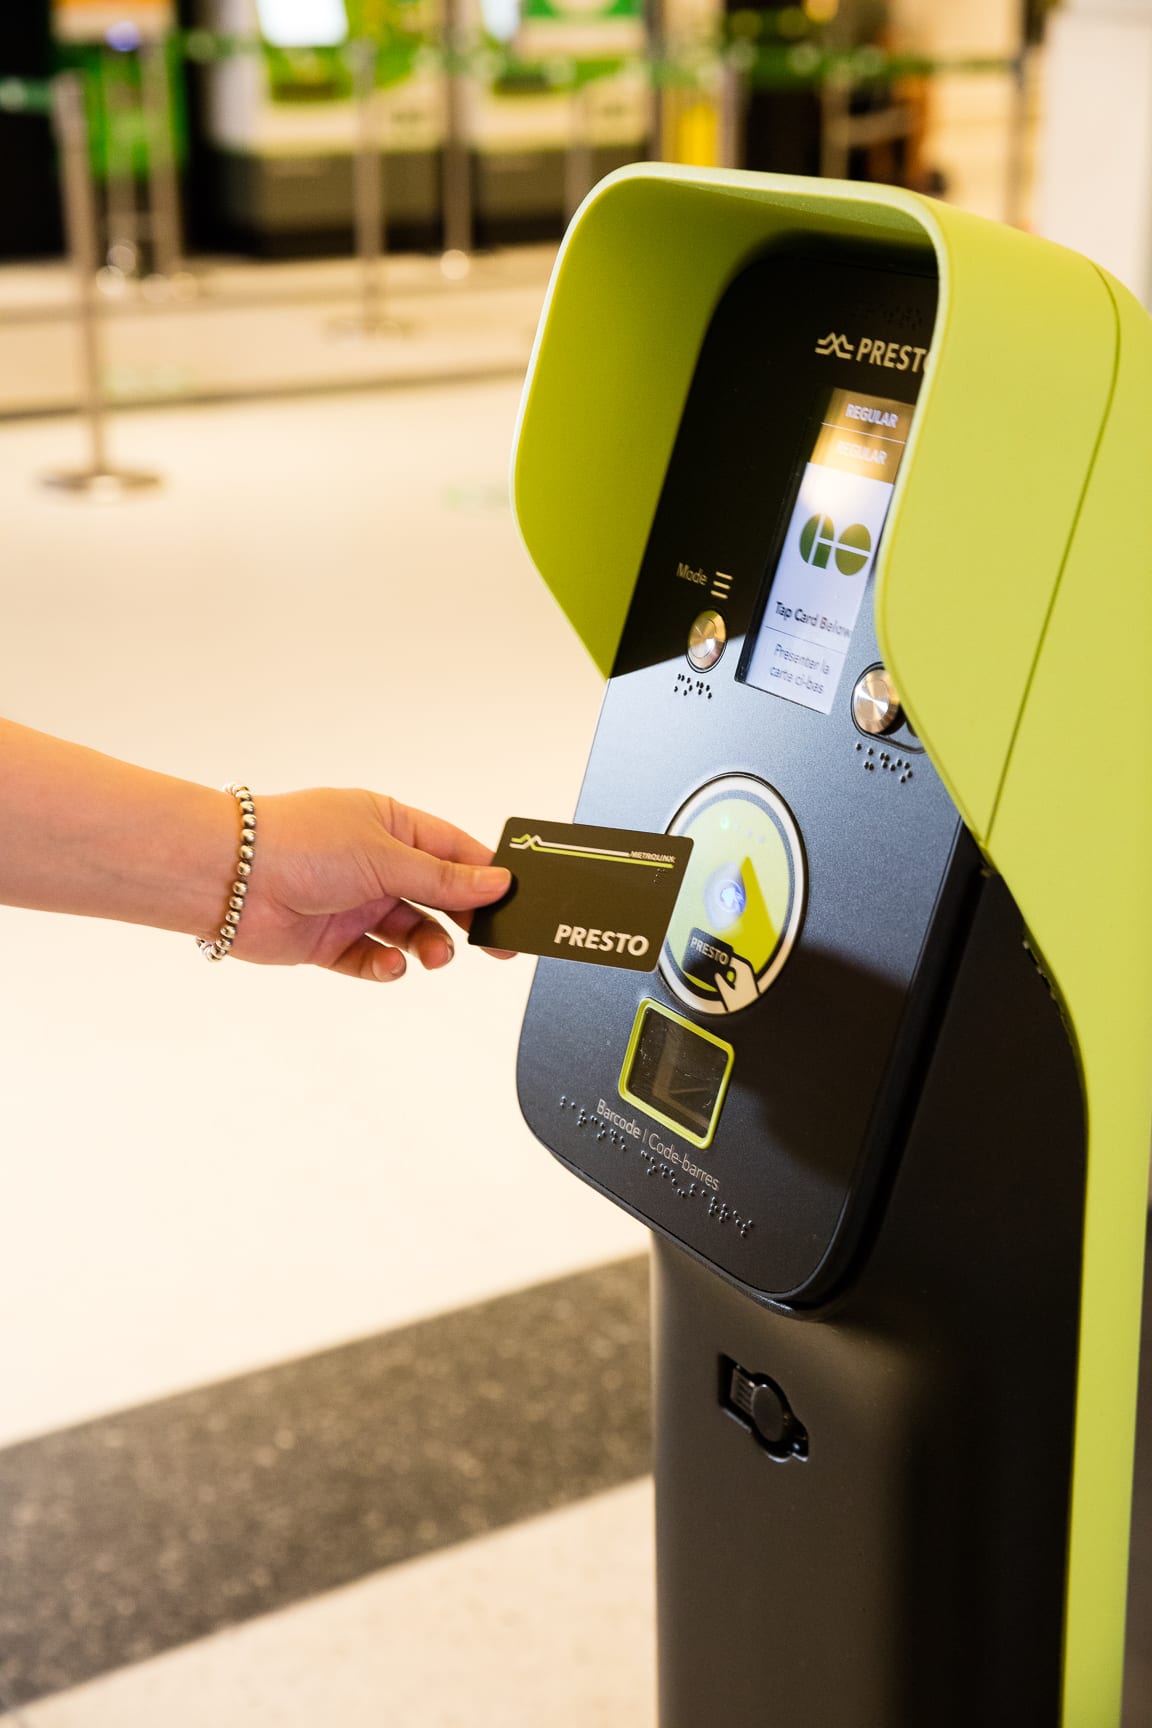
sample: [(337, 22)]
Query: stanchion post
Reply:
[(122, 218), (368, 184), (100, 478), (835, 107), (578, 167), (657, 53), (368, 196), (733, 104), (457, 163), (1016, 166), (165, 225)]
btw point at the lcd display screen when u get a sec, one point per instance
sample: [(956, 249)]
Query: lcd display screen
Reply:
[(818, 585), (678, 1072)]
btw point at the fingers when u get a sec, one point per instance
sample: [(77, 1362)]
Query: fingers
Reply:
[(409, 928), (426, 833), (378, 955), (411, 874), (372, 961), (464, 920), (436, 863)]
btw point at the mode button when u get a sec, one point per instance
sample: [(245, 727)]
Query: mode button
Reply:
[(707, 640)]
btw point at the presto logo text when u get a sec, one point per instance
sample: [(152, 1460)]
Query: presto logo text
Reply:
[(893, 356), (576, 936)]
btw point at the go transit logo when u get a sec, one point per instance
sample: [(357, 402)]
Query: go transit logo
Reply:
[(850, 550)]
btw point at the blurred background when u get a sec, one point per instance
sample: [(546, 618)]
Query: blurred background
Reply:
[(324, 1395)]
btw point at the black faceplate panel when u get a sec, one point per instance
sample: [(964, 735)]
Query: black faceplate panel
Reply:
[(826, 1060)]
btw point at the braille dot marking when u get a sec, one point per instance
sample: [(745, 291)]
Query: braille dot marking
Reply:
[(717, 1209)]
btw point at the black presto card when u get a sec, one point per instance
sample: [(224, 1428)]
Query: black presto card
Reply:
[(604, 895)]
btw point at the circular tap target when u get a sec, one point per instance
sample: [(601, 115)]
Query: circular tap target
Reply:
[(741, 904)]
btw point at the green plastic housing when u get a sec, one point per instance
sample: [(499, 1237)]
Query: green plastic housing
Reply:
[(1014, 607)]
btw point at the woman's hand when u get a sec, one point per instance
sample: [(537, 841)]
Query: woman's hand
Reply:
[(340, 879)]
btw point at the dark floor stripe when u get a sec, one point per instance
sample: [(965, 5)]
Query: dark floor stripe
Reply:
[(130, 1535)]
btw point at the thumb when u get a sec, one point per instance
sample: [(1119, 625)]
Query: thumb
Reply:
[(441, 882)]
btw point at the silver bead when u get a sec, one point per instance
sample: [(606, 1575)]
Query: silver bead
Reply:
[(231, 918), (247, 826), (248, 852), (227, 931), (247, 807), (236, 905), (240, 888), (243, 869)]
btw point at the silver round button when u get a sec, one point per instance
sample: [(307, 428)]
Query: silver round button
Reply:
[(707, 640), (875, 705)]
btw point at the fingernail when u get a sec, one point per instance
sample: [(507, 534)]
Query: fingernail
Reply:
[(385, 967), (442, 950), (492, 879)]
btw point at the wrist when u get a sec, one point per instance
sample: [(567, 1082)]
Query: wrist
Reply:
[(219, 946), (179, 840)]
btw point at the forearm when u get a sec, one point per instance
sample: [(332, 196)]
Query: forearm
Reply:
[(85, 833)]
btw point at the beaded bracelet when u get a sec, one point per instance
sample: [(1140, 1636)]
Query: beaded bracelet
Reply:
[(218, 949)]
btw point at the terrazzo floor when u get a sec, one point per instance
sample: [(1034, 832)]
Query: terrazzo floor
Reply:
[(550, 1622)]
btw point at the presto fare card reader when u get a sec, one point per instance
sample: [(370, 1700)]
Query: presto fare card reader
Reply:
[(846, 493)]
